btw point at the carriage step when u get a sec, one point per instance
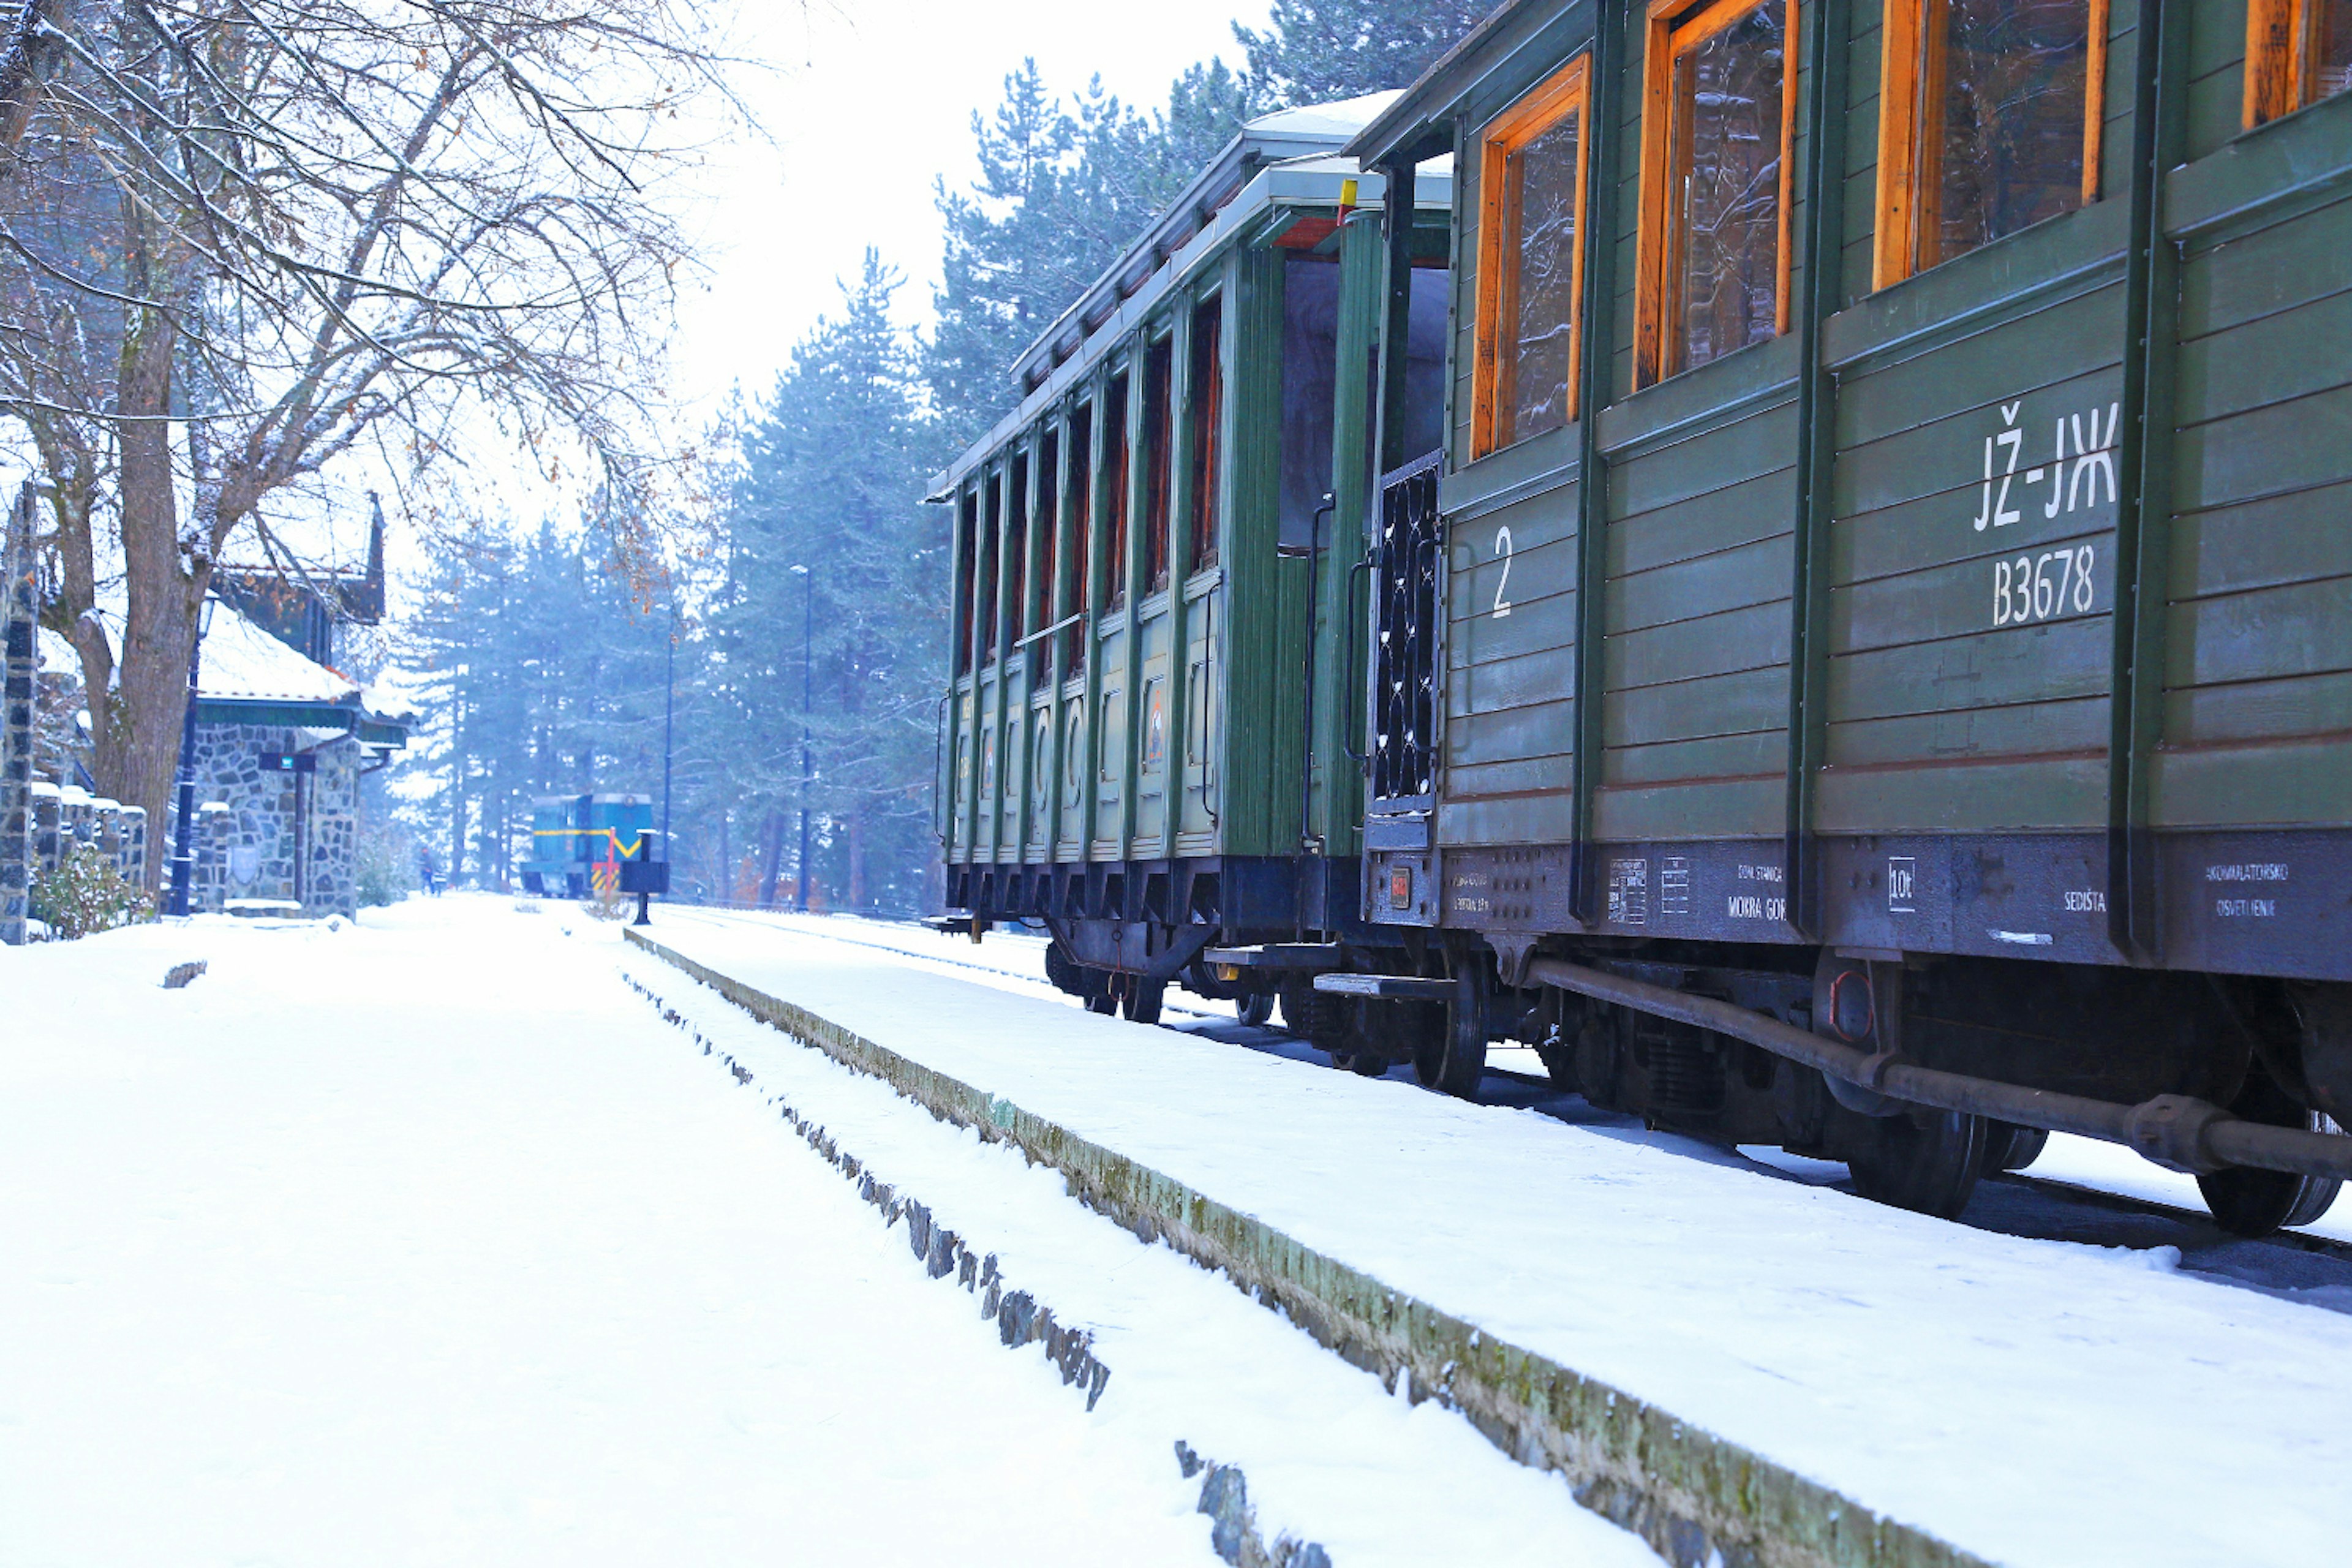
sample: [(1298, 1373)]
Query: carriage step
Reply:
[(1387, 987)]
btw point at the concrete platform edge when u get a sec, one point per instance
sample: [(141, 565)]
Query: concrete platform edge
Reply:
[(1696, 1497)]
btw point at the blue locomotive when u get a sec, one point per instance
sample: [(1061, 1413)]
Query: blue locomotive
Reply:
[(579, 841)]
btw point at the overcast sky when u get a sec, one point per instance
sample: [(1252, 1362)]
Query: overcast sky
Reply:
[(872, 99)]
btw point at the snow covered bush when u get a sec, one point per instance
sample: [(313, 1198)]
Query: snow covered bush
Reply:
[(87, 894), (382, 873)]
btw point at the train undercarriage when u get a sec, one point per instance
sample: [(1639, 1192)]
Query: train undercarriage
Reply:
[(1975, 1060)]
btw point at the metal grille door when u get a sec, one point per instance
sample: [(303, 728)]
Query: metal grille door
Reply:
[(1404, 637)]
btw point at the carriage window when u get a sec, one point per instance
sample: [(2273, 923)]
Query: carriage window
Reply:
[(1716, 123), (1530, 267), (1115, 466), (1082, 537), (967, 527), (1158, 365), (994, 514), (1993, 125), (2298, 52), (1206, 411), (1048, 546), (1310, 328), (1016, 550)]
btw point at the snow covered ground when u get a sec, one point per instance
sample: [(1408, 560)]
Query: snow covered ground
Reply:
[(1015, 960), (428, 1242), (2034, 1401)]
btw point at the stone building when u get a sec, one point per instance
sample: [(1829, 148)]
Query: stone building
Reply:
[(282, 742)]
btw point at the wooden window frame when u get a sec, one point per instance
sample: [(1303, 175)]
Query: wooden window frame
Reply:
[(1674, 28), (1904, 165), (1567, 91), (2279, 78)]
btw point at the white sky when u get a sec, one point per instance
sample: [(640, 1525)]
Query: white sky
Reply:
[(874, 98)]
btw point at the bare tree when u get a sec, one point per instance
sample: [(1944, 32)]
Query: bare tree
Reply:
[(246, 240)]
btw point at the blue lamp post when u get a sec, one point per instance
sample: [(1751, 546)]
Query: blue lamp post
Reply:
[(184, 833)]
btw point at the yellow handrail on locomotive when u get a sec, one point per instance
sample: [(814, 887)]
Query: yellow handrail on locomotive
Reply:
[(614, 834)]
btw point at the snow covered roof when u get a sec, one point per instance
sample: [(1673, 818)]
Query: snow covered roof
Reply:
[(242, 663)]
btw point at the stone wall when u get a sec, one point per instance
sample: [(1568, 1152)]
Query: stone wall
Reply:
[(17, 610), (262, 834)]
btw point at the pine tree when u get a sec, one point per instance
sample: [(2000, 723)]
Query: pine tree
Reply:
[(1319, 52), (833, 466)]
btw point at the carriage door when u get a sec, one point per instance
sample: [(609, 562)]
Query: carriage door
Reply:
[(1401, 750)]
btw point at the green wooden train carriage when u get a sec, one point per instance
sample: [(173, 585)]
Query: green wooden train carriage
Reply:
[(1889, 539), (1135, 750)]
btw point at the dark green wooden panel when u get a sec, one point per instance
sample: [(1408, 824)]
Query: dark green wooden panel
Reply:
[(1961, 598), (2123, 70), (2284, 265), (1523, 776), (1706, 462), (1972, 733), (1744, 702), (2287, 446), (1719, 644), (1733, 808), (2216, 107), (1716, 757), (2041, 350), (2263, 543), (2017, 664), (1728, 580), (2259, 710), (2304, 784), (2051, 794), (1726, 519), (1937, 530), (2298, 629), (1542, 559), (1949, 453), (1507, 734), (1533, 626), (2302, 349), (2217, 36), (1547, 818), (1508, 683)]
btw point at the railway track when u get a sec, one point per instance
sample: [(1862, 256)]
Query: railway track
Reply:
[(2296, 1264)]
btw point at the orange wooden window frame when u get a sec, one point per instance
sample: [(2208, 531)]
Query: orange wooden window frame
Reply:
[(1567, 91), (1674, 28), (2279, 78), (1907, 162)]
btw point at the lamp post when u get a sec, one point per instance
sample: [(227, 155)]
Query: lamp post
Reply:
[(808, 624), (184, 833), (669, 714)]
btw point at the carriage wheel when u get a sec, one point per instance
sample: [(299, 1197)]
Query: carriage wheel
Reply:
[(1255, 1009), (1925, 1160), (1141, 1003), (1450, 1053), (2009, 1147), (2248, 1202)]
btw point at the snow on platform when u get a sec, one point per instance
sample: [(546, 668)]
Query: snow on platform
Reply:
[(427, 1241), (2033, 1402)]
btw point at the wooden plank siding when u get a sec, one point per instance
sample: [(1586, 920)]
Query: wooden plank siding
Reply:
[(2258, 622)]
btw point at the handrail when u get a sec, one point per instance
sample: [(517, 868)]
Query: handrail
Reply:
[(1348, 668), (1046, 632)]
